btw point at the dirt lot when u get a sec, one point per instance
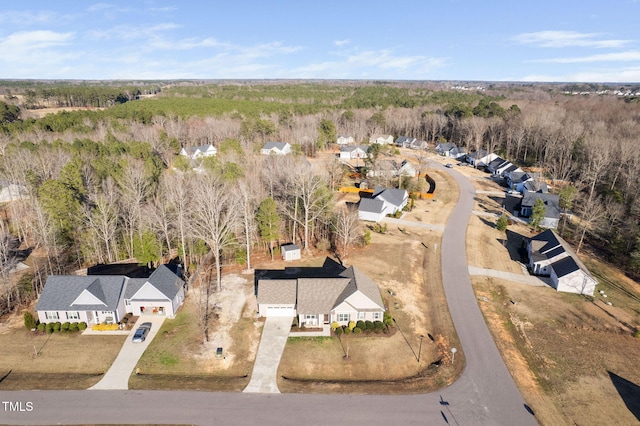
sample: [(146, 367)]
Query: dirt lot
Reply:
[(574, 358), (179, 358), (59, 363)]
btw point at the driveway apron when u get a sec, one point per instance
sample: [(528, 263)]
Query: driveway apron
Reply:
[(265, 370), (117, 377)]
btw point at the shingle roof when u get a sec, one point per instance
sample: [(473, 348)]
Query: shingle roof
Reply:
[(165, 280), (371, 205), (551, 203), (319, 295), (565, 266), (289, 247), (390, 195), (60, 291), (277, 291), (277, 145), (364, 284)]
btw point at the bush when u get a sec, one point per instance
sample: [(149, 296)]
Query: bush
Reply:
[(334, 325), (378, 325), (360, 324), (82, 326), (366, 237), (29, 320), (338, 331), (73, 327), (49, 328), (369, 325), (346, 330), (357, 330), (388, 319), (56, 326), (352, 325), (65, 326), (41, 326)]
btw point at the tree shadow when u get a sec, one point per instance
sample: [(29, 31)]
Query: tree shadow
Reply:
[(5, 376), (629, 392)]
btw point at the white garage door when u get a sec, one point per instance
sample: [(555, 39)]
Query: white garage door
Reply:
[(279, 311)]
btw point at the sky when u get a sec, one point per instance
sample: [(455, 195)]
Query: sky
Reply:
[(453, 40)]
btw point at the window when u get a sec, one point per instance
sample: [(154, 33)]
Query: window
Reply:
[(127, 302), (73, 315), (51, 315), (343, 317), (360, 315), (376, 316)]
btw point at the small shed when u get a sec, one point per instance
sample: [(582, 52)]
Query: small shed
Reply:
[(290, 252)]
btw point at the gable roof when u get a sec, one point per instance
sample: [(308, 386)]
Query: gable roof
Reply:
[(278, 291), (81, 293), (320, 295), (535, 185), (390, 195), (371, 205), (548, 244), (351, 148), (275, 145), (364, 284), (495, 163), (166, 281), (551, 203), (565, 266)]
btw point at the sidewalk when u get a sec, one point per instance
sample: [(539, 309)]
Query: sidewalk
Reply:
[(510, 276)]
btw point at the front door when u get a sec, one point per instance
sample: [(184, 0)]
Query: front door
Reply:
[(311, 320)]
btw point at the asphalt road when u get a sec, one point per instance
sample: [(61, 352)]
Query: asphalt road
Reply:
[(485, 394)]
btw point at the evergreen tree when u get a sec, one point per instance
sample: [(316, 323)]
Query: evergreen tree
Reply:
[(268, 222)]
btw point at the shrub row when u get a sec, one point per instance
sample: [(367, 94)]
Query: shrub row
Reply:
[(55, 327), (367, 327)]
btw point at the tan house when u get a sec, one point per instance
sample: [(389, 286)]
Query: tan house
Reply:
[(319, 296)]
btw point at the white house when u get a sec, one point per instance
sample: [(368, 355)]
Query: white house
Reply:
[(290, 252), (351, 152), (385, 201), (345, 140), (381, 139), (96, 299), (550, 255), (319, 296), (480, 158), (551, 203), (278, 148), (448, 149), (194, 152)]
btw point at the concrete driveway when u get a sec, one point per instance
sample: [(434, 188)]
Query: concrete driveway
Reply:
[(118, 375), (265, 370)]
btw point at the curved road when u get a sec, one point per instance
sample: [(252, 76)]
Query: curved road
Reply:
[(485, 394)]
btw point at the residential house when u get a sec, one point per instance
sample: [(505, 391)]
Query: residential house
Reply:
[(550, 255), (290, 252), (551, 204), (418, 144), (516, 180), (345, 140), (277, 148), (384, 201), (535, 185), (387, 167), (98, 299), (448, 149), (195, 152), (497, 164), (509, 169), (405, 141), (319, 296), (480, 158), (381, 139), (350, 152)]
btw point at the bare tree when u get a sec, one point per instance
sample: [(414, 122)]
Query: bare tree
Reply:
[(102, 218), (215, 218), (346, 225), (590, 215)]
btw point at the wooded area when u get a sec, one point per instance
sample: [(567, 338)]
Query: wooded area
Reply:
[(107, 184)]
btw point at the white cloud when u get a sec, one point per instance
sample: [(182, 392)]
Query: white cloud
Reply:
[(131, 32), (632, 55), (24, 41), (26, 18), (567, 39), (341, 42)]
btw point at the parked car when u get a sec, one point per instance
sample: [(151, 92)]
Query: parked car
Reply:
[(141, 333), (449, 165)]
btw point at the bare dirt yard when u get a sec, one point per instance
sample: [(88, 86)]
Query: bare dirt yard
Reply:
[(573, 357), (180, 358), (33, 360)]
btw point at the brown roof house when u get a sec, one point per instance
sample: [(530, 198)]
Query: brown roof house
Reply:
[(319, 296)]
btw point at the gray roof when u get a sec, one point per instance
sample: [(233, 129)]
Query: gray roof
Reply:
[(390, 195), (289, 247), (60, 291), (166, 281), (517, 177), (277, 291), (278, 145), (509, 169), (551, 203), (548, 244), (364, 284), (192, 149), (445, 146), (495, 163), (536, 186), (481, 153), (565, 266), (371, 205)]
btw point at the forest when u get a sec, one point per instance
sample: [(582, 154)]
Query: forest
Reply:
[(105, 182)]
